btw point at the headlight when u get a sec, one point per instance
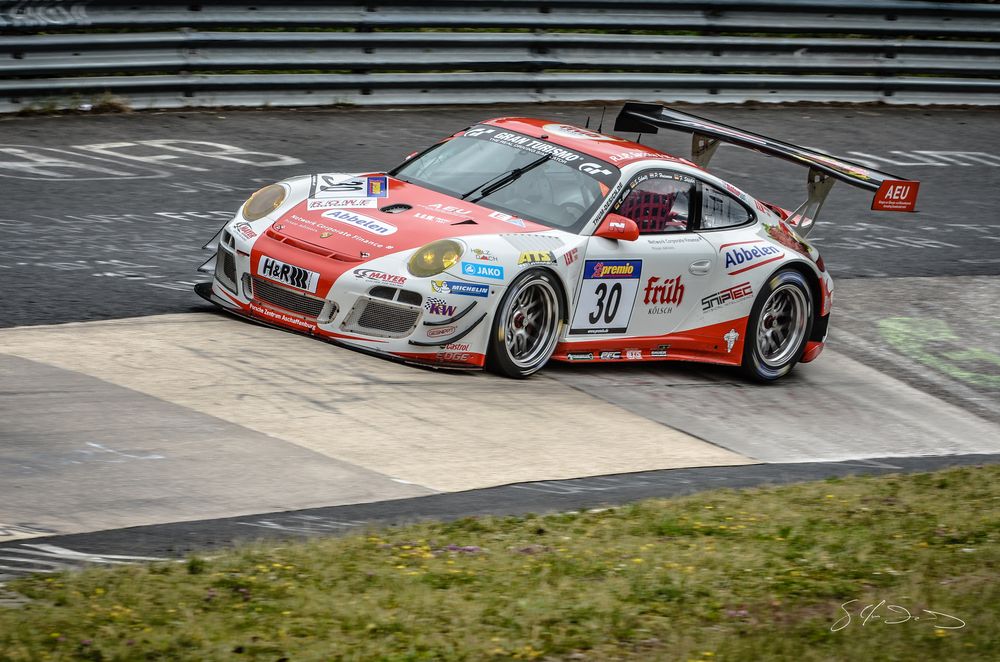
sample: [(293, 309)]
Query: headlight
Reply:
[(435, 257), (263, 202)]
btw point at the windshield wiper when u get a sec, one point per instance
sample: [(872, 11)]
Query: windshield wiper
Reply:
[(505, 179)]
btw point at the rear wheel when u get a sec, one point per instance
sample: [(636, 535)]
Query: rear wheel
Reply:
[(526, 326), (779, 327)]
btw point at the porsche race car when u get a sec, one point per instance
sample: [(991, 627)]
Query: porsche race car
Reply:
[(518, 241)]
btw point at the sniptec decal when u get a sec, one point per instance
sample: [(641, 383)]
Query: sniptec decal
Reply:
[(366, 223), (747, 255), (288, 274), (726, 296), (612, 269)]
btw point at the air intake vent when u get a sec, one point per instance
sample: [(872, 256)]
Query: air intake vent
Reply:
[(312, 248), (225, 269), (412, 298), (392, 294), (374, 317), (467, 221), (395, 209), (274, 295), (383, 292)]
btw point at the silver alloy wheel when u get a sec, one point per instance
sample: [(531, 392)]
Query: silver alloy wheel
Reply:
[(781, 325), (530, 321)]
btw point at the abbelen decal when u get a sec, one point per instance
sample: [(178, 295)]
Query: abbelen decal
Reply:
[(366, 223)]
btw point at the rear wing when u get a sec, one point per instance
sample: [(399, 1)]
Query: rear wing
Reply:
[(892, 193)]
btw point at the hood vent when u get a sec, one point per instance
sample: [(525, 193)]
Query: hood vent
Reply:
[(271, 233), (467, 221), (395, 209)]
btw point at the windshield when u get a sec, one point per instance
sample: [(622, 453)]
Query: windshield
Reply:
[(562, 191)]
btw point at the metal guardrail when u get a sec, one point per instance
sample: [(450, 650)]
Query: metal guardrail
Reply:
[(64, 52)]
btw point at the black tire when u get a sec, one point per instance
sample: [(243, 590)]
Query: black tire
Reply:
[(779, 327), (526, 326)]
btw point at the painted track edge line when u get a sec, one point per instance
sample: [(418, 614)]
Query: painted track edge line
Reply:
[(182, 538)]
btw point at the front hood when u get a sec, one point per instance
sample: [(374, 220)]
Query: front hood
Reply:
[(409, 217)]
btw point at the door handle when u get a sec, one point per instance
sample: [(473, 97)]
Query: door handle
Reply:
[(700, 267)]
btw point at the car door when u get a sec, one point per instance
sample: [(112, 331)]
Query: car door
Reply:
[(650, 286), (726, 221)]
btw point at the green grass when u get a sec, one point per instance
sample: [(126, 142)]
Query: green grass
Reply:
[(727, 575)]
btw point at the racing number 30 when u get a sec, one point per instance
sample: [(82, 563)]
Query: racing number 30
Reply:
[(607, 295), (606, 310)]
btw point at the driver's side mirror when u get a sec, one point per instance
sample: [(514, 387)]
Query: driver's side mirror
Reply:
[(616, 226)]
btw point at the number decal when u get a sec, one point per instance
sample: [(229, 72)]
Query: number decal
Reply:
[(614, 300), (605, 286), (601, 291)]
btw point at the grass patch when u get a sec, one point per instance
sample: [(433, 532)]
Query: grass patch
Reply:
[(726, 575)]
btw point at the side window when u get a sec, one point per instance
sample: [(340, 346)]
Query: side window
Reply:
[(659, 202), (719, 210)]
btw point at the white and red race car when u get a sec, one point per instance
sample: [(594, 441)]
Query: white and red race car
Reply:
[(516, 241)]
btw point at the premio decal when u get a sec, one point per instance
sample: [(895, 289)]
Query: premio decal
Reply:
[(366, 223), (288, 274), (607, 296)]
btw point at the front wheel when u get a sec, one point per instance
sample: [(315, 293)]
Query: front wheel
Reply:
[(526, 326), (779, 327)]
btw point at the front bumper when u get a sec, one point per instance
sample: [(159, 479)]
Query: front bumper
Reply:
[(385, 319)]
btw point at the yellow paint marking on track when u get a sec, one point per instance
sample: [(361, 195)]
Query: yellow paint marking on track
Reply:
[(446, 431)]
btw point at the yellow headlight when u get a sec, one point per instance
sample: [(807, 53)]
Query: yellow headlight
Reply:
[(263, 202), (435, 257)]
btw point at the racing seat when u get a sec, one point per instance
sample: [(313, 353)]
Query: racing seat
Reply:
[(652, 211)]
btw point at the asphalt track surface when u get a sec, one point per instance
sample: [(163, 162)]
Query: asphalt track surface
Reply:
[(126, 212), (120, 423)]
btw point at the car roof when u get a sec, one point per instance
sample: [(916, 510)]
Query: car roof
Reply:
[(611, 149)]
